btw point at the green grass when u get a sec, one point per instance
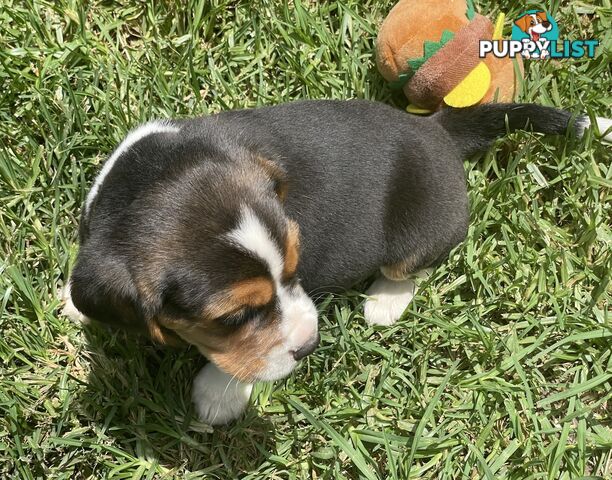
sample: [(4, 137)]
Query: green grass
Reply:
[(501, 367)]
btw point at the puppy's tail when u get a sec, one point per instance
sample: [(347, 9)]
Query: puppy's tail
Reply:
[(476, 128)]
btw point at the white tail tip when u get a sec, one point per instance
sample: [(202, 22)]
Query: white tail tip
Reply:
[(604, 126)]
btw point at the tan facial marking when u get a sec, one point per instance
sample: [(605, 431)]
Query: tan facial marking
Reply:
[(542, 16), (241, 352), (292, 250), (253, 292), (245, 352)]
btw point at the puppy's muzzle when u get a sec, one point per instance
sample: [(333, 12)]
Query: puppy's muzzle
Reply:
[(307, 348)]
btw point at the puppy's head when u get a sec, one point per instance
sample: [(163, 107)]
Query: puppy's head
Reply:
[(534, 24), (208, 256)]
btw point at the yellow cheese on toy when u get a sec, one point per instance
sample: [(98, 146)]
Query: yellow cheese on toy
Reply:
[(471, 89)]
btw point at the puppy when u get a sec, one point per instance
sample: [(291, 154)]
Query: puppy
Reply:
[(213, 230), (534, 25)]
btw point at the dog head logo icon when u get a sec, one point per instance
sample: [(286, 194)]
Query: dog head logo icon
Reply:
[(535, 28)]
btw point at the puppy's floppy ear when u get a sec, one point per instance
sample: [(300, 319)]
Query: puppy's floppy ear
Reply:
[(523, 22), (277, 175), (102, 289)]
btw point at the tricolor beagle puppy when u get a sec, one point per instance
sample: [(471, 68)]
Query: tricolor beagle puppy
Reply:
[(214, 230)]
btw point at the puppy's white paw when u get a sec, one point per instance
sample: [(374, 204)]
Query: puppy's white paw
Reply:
[(69, 309), (387, 300), (218, 397)]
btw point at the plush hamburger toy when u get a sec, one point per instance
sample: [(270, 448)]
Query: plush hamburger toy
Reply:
[(430, 49)]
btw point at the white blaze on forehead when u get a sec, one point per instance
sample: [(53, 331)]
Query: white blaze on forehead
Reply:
[(159, 126), (298, 314), (252, 235)]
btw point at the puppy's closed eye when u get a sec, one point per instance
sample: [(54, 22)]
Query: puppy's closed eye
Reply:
[(244, 315)]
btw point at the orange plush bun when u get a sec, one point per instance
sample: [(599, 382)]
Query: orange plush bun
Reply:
[(506, 84), (408, 24), (430, 49)]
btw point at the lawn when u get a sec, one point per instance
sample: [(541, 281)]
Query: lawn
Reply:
[(500, 368)]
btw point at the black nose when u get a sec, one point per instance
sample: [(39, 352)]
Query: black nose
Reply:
[(307, 348), (546, 24)]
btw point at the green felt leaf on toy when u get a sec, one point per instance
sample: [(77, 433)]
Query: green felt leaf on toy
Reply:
[(471, 11), (429, 49)]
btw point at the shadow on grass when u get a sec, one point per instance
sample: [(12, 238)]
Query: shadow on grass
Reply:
[(138, 398)]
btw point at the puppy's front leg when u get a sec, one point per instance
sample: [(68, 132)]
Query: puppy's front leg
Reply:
[(390, 295), (219, 398)]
